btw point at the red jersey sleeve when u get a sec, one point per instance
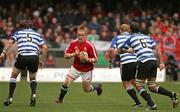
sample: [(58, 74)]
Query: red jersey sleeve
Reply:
[(70, 48), (93, 51)]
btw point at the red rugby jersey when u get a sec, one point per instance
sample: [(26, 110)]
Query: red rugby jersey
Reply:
[(84, 46)]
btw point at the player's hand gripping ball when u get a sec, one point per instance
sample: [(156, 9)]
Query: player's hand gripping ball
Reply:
[(83, 56)]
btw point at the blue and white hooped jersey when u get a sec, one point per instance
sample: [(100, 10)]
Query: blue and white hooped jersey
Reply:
[(143, 46), (113, 43), (28, 41), (125, 57)]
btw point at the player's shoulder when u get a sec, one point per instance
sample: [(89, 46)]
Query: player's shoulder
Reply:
[(87, 42), (15, 33), (74, 41), (123, 36), (146, 36), (136, 35), (30, 30), (115, 38)]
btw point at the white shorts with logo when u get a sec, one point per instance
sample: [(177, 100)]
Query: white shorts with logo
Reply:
[(74, 74)]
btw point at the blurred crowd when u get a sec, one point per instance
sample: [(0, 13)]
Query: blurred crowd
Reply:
[(57, 20)]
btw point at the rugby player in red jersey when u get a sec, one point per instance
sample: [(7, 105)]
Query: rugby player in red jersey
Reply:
[(80, 67)]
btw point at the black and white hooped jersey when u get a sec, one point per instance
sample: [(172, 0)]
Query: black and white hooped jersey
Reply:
[(143, 46), (125, 57), (28, 41)]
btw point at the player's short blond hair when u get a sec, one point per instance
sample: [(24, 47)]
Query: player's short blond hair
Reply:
[(125, 28), (81, 28)]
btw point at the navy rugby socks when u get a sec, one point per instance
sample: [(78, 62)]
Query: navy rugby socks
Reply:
[(12, 86)]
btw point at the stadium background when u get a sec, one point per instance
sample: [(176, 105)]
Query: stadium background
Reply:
[(57, 20)]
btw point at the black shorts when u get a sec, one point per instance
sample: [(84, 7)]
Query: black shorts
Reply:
[(128, 71), (27, 62), (147, 69)]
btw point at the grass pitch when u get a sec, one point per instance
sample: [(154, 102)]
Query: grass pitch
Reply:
[(113, 99)]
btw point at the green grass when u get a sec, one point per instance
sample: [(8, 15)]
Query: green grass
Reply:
[(113, 99)]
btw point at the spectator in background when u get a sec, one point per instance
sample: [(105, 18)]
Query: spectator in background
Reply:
[(144, 28), (62, 15), (176, 18), (58, 41), (84, 13), (171, 68), (67, 38), (98, 9), (93, 36), (105, 34), (94, 24), (110, 21), (50, 62), (135, 10), (169, 40)]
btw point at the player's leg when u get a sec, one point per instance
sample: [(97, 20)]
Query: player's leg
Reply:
[(18, 66), (160, 90), (128, 72), (32, 67), (12, 85), (145, 95), (72, 75), (132, 93), (33, 86), (86, 83), (142, 75)]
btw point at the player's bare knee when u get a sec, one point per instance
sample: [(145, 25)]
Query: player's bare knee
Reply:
[(32, 76), (68, 80), (15, 72), (139, 84), (86, 90), (127, 84), (152, 86)]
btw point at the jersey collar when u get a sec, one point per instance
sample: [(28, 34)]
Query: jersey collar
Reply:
[(125, 33)]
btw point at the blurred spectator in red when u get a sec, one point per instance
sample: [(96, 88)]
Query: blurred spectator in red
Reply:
[(50, 62), (161, 25), (169, 39), (98, 9), (135, 10)]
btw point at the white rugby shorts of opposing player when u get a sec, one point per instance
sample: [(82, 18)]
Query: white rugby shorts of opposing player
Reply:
[(74, 74)]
